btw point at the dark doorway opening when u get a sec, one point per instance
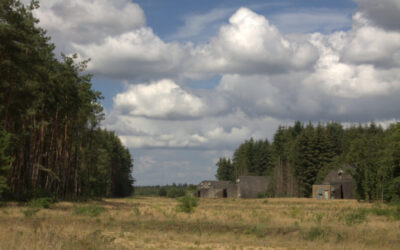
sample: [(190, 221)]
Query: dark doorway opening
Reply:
[(224, 193), (198, 193), (341, 192)]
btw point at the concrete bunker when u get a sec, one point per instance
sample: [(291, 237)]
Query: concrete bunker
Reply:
[(336, 185), (245, 187)]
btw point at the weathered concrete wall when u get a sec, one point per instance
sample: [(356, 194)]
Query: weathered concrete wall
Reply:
[(216, 189), (252, 186), (232, 190), (247, 187)]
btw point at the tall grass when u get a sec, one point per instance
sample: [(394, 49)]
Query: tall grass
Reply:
[(88, 210), (154, 223)]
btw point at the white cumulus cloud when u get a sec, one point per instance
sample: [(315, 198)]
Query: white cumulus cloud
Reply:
[(162, 99), (249, 44), (88, 21)]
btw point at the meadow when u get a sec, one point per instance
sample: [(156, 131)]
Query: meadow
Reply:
[(155, 223)]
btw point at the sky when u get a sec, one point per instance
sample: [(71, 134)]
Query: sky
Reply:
[(185, 82)]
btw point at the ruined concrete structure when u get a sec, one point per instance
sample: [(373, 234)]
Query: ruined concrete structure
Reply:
[(245, 187), (216, 189), (336, 185)]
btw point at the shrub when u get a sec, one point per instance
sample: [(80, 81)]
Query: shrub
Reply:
[(34, 205), (44, 202), (90, 210), (187, 203)]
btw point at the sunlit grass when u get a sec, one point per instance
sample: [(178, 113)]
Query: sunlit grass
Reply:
[(155, 223)]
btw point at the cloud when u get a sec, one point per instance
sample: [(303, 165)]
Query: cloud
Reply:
[(385, 13), (209, 132), (368, 44), (137, 54), (88, 21), (360, 63), (162, 99), (249, 44)]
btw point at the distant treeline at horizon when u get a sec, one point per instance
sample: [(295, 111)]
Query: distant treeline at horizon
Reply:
[(172, 191), (50, 140), (301, 155)]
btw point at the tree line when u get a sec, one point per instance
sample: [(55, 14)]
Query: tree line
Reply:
[(50, 140), (301, 155)]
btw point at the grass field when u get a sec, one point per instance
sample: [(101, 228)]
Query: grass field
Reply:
[(154, 223)]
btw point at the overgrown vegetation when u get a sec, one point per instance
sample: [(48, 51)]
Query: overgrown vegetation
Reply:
[(44, 202), (88, 210), (356, 217), (35, 205), (187, 203), (50, 140)]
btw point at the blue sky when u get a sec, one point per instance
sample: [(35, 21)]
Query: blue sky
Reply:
[(185, 82)]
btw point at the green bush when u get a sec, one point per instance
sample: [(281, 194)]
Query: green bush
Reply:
[(34, 205), (187, 203), (89, 210), (44, 202)]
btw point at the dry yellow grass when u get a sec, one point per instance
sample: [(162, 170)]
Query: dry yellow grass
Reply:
[(154, 223)]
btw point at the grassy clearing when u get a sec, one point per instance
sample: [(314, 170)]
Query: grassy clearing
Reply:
[(154, 223)]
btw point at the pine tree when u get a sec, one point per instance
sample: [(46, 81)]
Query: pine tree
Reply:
[(4, 160), (225, 170)]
